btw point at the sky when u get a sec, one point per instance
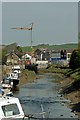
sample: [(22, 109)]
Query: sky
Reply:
[(54, 22), (0, 22), (39, 0), (79, 16)]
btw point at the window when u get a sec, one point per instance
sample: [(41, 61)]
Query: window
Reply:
[(11, 109), (7, 81)]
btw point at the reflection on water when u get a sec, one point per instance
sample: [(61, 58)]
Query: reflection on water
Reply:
[(42, 100)]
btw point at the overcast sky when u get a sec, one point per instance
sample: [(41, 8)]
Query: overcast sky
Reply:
[(54, 22), (79, 16), (0, 22)]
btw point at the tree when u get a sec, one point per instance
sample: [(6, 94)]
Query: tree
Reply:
[(19, 48), (75, 60)]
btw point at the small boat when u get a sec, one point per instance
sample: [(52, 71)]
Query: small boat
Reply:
[(32, 67), (16, 69), (6, 92), (14, 78), (7, 83), (10, 108)]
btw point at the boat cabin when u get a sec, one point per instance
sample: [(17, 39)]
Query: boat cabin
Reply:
[(16, 69), (10, 107), (14, 77), (7, 83)]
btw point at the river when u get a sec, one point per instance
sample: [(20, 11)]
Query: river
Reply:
[(41, 96)]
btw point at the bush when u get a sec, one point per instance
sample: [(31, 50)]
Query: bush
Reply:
[(75, 60)]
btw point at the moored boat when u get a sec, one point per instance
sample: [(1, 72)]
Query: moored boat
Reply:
[(32, 67), (14, 78), (10, 108), (7, 83), (16, 69)]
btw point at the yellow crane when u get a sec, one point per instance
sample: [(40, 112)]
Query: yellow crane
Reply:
[(26, 28)]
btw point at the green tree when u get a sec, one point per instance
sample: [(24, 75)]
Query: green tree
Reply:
[(75, 60), (19, 49)]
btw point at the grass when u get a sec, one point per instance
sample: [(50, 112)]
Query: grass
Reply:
[(64, 70), (27, 76), (74, 73), (50, 47), (57, 69)]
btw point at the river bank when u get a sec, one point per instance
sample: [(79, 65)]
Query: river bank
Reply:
[(70, 92), (70, 89), (69, 85), (27, 77)]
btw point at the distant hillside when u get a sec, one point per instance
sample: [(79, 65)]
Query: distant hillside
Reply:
[(13, 47), (52, 47), (10, 48)]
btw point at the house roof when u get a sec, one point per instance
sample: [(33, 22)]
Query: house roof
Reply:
[(11, 53)]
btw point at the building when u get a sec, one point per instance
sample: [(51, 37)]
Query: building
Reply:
[(42, 54), (60, 57), (38, 54), (11, 58)]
